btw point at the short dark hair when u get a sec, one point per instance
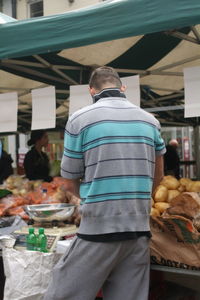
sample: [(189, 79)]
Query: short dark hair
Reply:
[(103, 75), (35, 136)]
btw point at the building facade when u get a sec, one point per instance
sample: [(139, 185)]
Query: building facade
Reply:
[(8, 7), (35, 8)]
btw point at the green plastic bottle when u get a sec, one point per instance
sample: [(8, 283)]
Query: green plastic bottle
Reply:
[(41, 241), (31, 240)]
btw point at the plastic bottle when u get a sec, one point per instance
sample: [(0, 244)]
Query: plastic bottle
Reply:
[(44, 193), (41, 241), (31, 240)]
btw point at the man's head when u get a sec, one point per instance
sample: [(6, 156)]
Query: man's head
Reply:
[(104, 77), (173, 143)]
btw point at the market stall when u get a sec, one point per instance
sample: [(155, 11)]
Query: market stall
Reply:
[(26, 205), (29, 48), (61, 50), (175, 242), (174, 223)]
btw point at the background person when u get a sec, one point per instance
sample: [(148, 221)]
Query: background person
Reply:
[(36, 162), (116, 149), (6, 168), (171, 159)]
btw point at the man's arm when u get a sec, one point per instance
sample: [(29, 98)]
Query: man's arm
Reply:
[(73, 187), (74, 198), (159, 172)]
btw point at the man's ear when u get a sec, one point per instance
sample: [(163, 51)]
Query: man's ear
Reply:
[(92, 91), (123, 88)]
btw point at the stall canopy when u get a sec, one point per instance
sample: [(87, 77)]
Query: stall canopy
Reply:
[(153, 38)]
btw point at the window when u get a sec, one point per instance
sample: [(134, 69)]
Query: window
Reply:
[(35, 8)]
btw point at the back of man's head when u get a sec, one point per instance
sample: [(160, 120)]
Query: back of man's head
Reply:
[(173, 143), (104, 77)]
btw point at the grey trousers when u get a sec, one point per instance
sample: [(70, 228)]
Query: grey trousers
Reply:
[(121, 269)]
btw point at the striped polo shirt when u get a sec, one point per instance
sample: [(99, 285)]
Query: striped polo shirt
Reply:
[(111, 145)]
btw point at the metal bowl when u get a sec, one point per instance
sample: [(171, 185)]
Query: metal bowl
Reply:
[(50, 212)]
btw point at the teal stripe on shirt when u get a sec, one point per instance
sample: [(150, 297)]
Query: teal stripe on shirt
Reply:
[(158, 148), (116, 185), (115, 128), (118, 141), (103, 129), (73, 143), (118, 197), (72, 154)]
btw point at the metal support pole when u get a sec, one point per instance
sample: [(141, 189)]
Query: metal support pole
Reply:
[(17, 151), (197, 149)]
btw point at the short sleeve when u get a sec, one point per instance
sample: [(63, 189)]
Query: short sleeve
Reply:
[(72, 165), (159, 142)]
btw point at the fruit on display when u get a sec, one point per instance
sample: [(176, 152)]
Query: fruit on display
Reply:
[(194, 186), (155, 212), (13, 182), (170, 182), (177, 197), (161, 206), (25, 192), (184, 184), (172, 194), (17, 211), (171, 197), (161, 194)]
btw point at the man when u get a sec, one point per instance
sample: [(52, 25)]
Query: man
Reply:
[(115, 148), (171, 159)]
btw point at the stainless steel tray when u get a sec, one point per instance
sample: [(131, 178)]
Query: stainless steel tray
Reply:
[(50, 212)]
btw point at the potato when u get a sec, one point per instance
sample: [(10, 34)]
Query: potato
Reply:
[(155, 212), (184, 181), (23, 192), (189, 186), (185, 184), (170, 182), (195, 186), (172, 194), (17, 181), (161, 206), (37, 183), (161, 194), (15, 191), (9, 180), (10, 187), (182, 188)]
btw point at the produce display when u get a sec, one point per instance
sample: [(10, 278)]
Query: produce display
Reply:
[(26, 192), (177, 197), (172, 197)]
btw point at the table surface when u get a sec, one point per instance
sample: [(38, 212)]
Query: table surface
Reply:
[(175, 270)]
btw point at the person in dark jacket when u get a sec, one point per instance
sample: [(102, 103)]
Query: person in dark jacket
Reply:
[(5, 166), (171, 159), (36, 162)]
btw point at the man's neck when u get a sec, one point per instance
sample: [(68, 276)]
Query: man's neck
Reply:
[(108, 92)]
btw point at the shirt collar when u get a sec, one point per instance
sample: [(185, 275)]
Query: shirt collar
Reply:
[(107, 93)]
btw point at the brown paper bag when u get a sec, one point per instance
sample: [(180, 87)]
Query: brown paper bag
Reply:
[(175, 242)]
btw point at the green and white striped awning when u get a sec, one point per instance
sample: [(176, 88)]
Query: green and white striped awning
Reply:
[(153, 38)]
